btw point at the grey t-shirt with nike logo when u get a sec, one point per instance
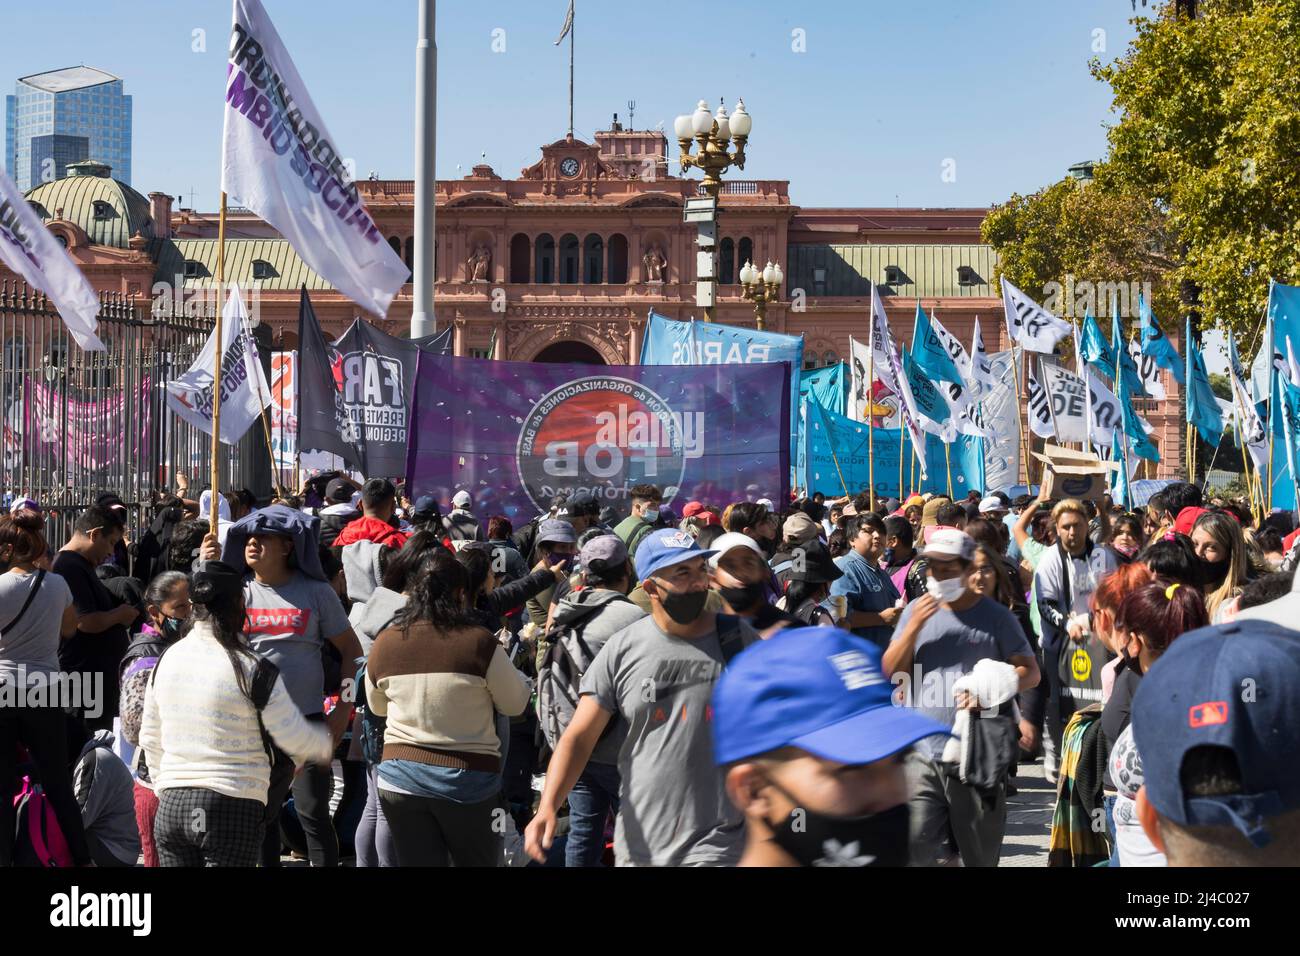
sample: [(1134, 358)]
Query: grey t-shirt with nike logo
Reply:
[(673, 808)]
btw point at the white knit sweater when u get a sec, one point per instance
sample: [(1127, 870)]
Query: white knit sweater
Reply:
[(199, 730)]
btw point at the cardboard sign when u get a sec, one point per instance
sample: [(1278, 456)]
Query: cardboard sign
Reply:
[(1074, 474)]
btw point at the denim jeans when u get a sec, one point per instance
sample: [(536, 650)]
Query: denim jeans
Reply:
[(1109, 802), (590, 802)]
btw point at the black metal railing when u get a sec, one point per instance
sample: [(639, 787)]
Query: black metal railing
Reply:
[(77, 424)]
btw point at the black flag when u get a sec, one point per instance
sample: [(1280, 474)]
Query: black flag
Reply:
[(322, 423), (371, 380)]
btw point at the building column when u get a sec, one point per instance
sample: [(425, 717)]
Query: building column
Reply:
[(501, 264), (458, 336), (634, 344), (634, 271)]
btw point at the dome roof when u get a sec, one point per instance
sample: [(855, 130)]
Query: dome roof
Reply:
[(110, 212)]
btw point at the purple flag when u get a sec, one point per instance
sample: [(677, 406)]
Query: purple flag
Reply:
[(515, 434)]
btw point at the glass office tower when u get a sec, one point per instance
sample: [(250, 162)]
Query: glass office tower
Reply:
[(63, 117)]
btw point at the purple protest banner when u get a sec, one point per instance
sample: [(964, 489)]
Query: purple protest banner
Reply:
[(515, 434)]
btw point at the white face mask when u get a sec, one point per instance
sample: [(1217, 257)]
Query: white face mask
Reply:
[(947, 590)]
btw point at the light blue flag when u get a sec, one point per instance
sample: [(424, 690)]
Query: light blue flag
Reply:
[(1119, 489), (1134, 433), (669, 342), (1126, 368), (828, 387), (1156, 344), (931, 355), (1291, 426), (930, 403), (1095, 350), (837, 455), (1202, 409)]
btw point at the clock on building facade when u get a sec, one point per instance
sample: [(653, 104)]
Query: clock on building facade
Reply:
[(569, 167)]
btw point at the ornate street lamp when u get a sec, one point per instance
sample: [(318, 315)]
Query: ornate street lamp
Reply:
[(761, 287), (713, 133)]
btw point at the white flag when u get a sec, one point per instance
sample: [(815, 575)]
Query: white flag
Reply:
[(568, 25), (1107, 415), (889, 371), (31, 250), (859, 386), (1000, 416), (1029, 323), (1040, 413), (981, 369), (244, 392), (958, 394), (1068, 395), (1251, 431), (280, 161), (1148, 371)]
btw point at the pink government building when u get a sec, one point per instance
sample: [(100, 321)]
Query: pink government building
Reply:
[(565, 261)]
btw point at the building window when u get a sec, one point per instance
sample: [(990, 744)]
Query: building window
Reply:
[(520, 253), (263, 269), (966, 275), (544, 258), (819, 281), (480, 353), (396, 245), (727, 261), (618, 258), (569, 259), (830, 358), (593, 259), (745, 253), (410, 253), (193, 269), (103, 211), (893, 275)]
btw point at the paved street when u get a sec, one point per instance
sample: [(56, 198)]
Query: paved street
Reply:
[(1029, 819)]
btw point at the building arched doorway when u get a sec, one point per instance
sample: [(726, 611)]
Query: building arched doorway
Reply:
[(568, 352)]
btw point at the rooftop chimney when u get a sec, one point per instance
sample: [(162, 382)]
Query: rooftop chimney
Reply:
[(160, 211)]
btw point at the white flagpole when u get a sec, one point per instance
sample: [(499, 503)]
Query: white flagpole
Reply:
[(218, 354), (871, 381), (423, 320)]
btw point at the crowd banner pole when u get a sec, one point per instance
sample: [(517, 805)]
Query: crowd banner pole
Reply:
[(216, 362), (266, 429), (871, 402), (947, 460), (902, 492), (1020, 411)]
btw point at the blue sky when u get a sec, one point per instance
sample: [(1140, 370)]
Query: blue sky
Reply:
[(882, 95)]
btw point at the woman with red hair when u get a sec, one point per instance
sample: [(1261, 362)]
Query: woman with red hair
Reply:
[(1147, 621), (1104, 602)]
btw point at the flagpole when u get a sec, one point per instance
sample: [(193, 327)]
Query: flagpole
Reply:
[(217, 357), (871, 418), (572, 30), (1020, 412), (947, 460), (266, 424), (423, 319), (901, 445)]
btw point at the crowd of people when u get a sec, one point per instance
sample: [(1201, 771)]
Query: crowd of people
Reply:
[(348, 674)]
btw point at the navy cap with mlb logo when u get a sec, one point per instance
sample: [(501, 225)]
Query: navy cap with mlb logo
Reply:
[(816, 688), (1235, 686)]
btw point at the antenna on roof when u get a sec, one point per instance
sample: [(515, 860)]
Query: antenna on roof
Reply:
[(631, 114)]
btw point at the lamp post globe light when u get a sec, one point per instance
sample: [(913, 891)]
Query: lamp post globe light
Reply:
[(713, 134), (761, 287)]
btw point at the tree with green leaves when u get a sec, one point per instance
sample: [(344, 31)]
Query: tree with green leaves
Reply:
[(1200, 192)]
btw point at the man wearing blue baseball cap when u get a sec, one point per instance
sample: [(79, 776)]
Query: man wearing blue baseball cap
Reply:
[(1215, 720), (813, 749), (656, 676)]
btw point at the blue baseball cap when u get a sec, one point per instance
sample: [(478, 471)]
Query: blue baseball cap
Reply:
[(1235, 686), (816, 688), (664, 548)]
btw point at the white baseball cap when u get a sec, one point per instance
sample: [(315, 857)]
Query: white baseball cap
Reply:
[(733, 539), (461, 499), (991, 504), (949, 543)]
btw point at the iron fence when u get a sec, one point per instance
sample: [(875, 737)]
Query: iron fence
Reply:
[(77, 424)]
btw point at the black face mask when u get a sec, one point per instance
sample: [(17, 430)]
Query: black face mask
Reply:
[(684, 607), (1213, 572), (744, 598), (815, 839)]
